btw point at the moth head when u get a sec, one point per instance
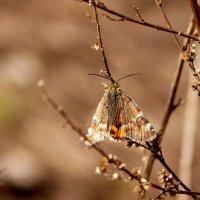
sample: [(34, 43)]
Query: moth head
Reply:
[(111, 87)]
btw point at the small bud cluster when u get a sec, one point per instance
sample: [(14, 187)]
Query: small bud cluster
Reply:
[(167, 182), (104, 168), (190, 53), (143, 186)]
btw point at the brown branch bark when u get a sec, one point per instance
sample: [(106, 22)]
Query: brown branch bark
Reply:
[(196, 13), (99, 37), (162, 11), (170, 102), (130, 19)]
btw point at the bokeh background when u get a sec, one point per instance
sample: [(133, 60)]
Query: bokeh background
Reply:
[(51, 40)]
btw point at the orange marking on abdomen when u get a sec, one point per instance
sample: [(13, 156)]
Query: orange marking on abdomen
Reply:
[(117, 133)]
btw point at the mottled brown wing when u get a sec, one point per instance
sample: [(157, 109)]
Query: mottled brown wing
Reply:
[(136, 126), (98, 129)]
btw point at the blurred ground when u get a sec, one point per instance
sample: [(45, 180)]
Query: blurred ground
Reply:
[(51, 40)]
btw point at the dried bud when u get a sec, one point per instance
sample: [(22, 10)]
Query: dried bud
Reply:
[(103, 72), (144, 186), (136, 171), (112, 157), (103, 165), (96, 46), (122, 165), (90, 3), (137, 189), (195, 84), (98, 170), (167, 182), (115, 176), (190, 53)]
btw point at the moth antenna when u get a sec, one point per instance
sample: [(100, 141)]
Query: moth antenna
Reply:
[(102, 76), (127, 76)]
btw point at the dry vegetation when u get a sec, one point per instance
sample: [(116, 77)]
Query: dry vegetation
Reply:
[(41, 156)]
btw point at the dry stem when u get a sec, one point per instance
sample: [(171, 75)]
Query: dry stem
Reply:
[(130, 19), (99, 37), (160, 7), (196, 13)]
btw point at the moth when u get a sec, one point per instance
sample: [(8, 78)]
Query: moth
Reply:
[(117, 117)]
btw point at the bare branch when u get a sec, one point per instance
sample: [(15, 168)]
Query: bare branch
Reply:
[(170, 102), (162, 160), (99, 37), (186, 54), (196, 13), (126, 18), (160, 7)]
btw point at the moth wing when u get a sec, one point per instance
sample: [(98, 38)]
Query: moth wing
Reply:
[(98, 129), (136, 126)]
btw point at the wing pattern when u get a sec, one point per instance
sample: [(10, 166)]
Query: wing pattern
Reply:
[(117, 117)]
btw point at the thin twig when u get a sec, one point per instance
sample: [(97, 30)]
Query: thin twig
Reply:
[(157, 154), (138, 14), (185, 54), (130, 19), (196, 77), (171, 105), (171, 100), (196, 13), (99, 37), (162, 160), (49, 101), (160, 7)]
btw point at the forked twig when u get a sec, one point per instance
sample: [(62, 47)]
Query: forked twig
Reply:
[(171, 100), (160, 7), (130, 19), (186, 55)]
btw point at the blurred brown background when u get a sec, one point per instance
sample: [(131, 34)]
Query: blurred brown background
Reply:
[(51, 39)]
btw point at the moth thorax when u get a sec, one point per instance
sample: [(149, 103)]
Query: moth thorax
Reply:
[(113, 86)]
